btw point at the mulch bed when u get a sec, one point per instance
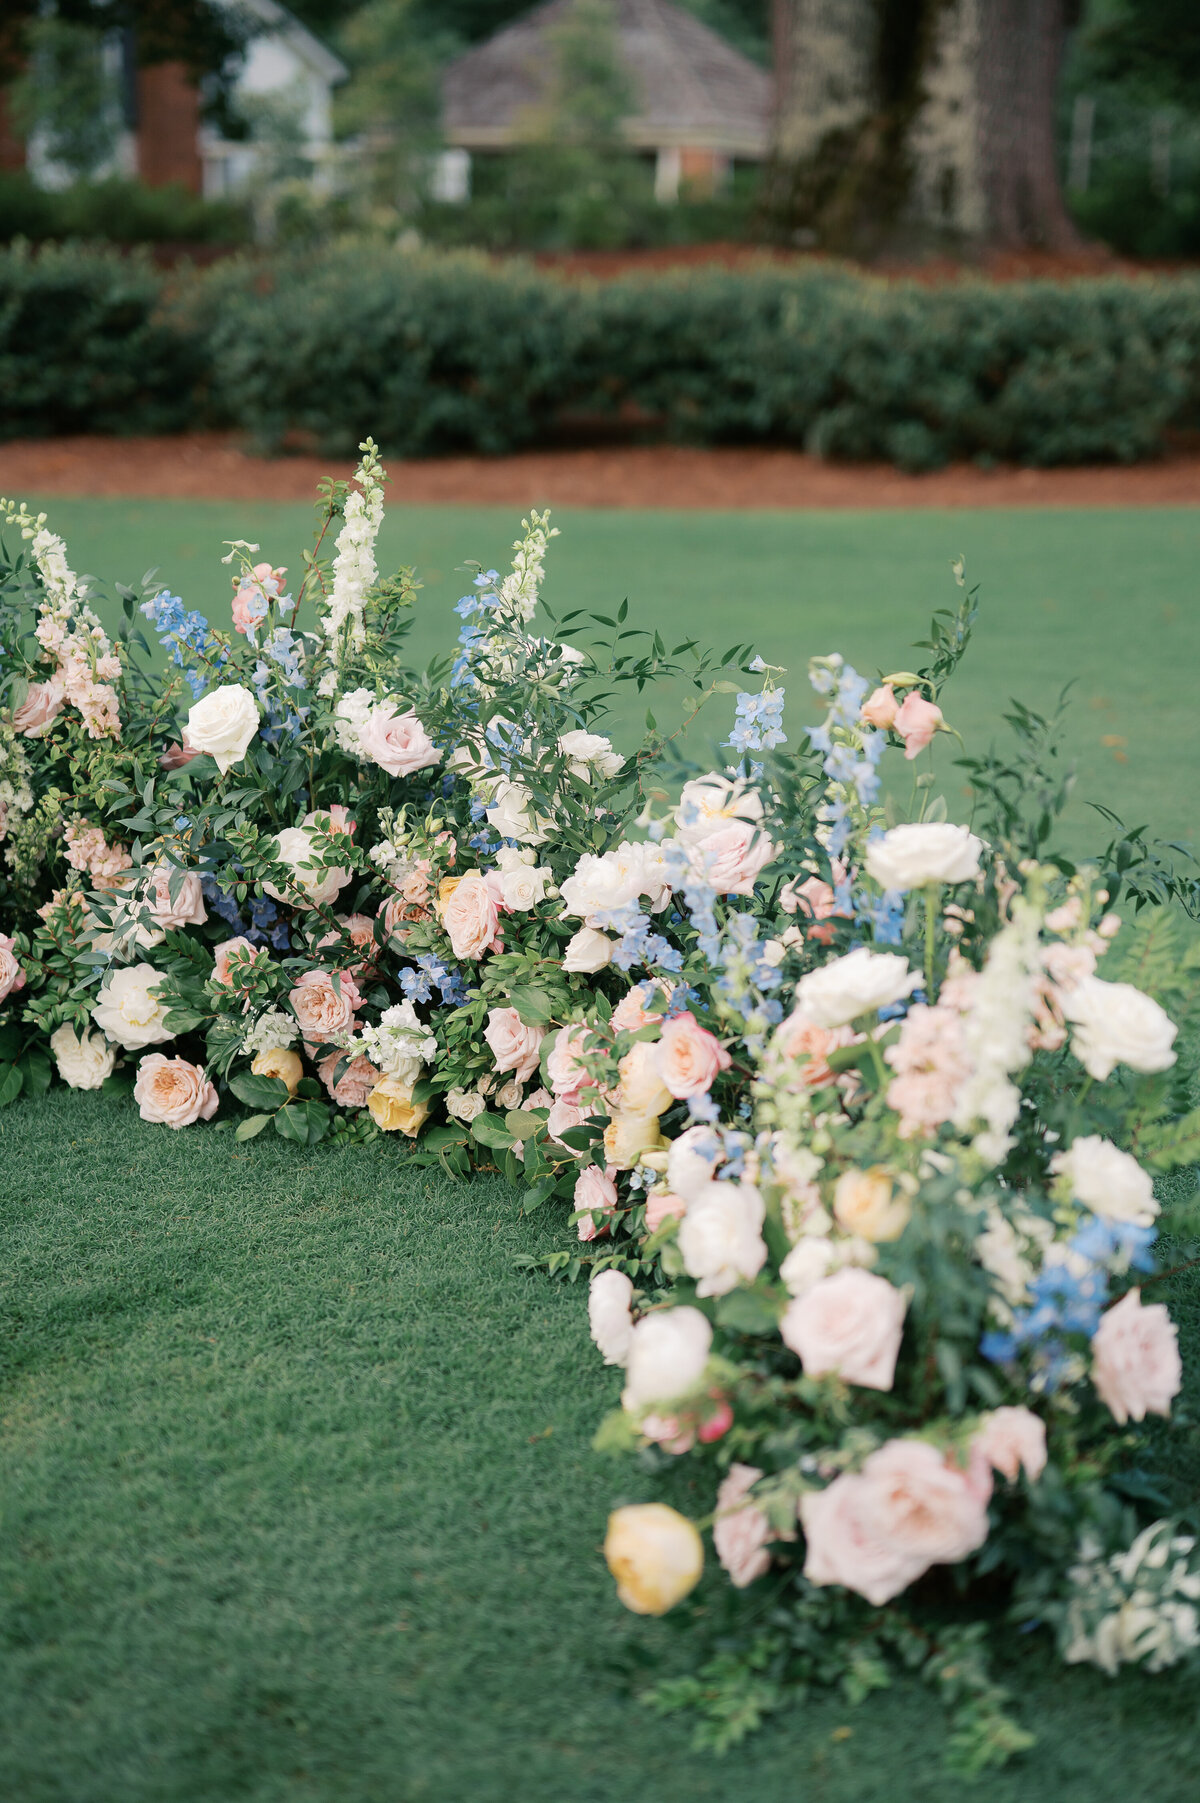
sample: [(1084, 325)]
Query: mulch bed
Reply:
[(214, 466)]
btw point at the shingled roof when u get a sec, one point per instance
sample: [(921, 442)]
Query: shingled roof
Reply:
[(694, 90)]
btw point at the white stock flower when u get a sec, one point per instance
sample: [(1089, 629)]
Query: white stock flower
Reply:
[(400, 1046), (1108, 1181), (995, 1033), (610, 1318), (1114, 1023), (859, 983), (128, 1010), (354, 566), (668, 1351), (84, 1060), (223, 724), (272, 1031), (720, 1240), (350, 716), (931, 851)]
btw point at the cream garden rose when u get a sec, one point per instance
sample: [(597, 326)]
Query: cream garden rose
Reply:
[(641, 1089), (128, 1010), (84, 1060), (279, 1062), (859, 983), (848, 1325), (1114, 1023), (610, 1314), (931, 851), (866, 1203), (655, 1555), (667, 1354), (223, 724), (588, 951), (721, 1237), (173, 1092), (1108, 1181)]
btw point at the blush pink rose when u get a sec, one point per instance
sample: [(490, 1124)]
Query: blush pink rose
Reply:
[(187, 910), (567, 1076), (689, 1058), (1135, 1359), (398, 743), (12, 977), (228, 954), (563, 1115), (880, 709), (471, 916), (799, 1037), (322, 1010), (173, 1092), (355, 1083), (515, 1046), (336, 818), (40, 708), (632, 1011), (662, 1208), (741, 1530), (398, 915), (916, 721), (731, 857), (1012, 1441), (596, 1190), (849, 1325)]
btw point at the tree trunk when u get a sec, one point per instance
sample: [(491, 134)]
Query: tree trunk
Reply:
[(917, 123)]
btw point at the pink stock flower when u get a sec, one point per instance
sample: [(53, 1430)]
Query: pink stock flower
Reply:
[(916, 721), (931, 1065), (172, 1092), (689, 1058), (88, 850)]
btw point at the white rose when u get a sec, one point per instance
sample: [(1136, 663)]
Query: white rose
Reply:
[(464, 1104), (589, 950), (1108, 1181), (600, 883), (691, 1161), (84, 1062), (523, 886), (808, 1261), (859, 983), (511, 813), (127, 1011), (295, 848), (930, 852), (587, 750), (668, 1351), (708, 803), (609, 1315), (223, 724), (721, 1237), (1116, 1024)]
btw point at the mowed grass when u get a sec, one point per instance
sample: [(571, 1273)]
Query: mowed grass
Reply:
[(297, 1499), (297, 1502)]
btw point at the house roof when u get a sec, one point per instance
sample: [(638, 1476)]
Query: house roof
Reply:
[(694, 90), (277, 21)]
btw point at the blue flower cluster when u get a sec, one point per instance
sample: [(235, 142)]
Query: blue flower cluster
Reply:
[(850, 759), (262, 927), (485, 599), (758, 725), (286, 652), (419, 984), (186, 635), (638, 942)]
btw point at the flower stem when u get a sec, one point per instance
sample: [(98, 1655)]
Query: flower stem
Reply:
[(931, 902)]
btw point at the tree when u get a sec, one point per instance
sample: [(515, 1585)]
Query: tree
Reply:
[(902, 120)]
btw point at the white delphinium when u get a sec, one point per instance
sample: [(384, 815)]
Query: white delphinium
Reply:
[(350, 716), (519, 590), (354, 567), (996, 1033), (16, 793), (271, 1031), (400, 1046), (1137, 1607)]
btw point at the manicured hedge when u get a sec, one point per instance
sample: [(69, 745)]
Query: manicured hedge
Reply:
[(436, 352)]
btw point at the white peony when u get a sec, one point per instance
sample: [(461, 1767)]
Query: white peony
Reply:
[(668, 1351), (588, 951), (588, 751), (932, 851), (1114, 1023), (128, 1010), (1108, 1181), (721, 1237), (859, 983), (610, 1315), (83, 1061), (223, 724), (295, 847), (612, 881), (691, 1161), (511, 813)]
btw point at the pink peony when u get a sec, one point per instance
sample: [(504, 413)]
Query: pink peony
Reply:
[(880, 709), (396, 742), (596, 1190), (40, 708), (471, 916), (740, 1528), (1012, 1441), (1135, 1359), (514, 1046), (849, 1325), (12, 977), (689, 1057), (355, 1083), (187, 910), (916, 721), (567, 1076), (229, 962), (322, 1010), (731, 856), (173, 1092)]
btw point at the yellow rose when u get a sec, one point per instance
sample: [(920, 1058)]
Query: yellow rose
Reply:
[(446, 889), (864, 1204), (642, 1090), (627, 1136), (279, 1062), (393, 1108), (655, 1554)]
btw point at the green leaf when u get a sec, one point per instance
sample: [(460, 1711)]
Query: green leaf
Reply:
[(534, 1007), (520, 1124), (489, 1130), (292, 1123), (37, 1071), (10, 1084), (258, 1092), (252, 1126), (10, 1043), (748, 1311), (183, 1020), (541, 1192)]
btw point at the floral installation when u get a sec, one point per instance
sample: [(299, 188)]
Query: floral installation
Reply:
[(853, 1113)]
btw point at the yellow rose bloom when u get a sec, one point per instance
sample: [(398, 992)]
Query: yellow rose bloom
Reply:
[(865, 1204), (393, 1109), (279, 1062), (655, 1554)]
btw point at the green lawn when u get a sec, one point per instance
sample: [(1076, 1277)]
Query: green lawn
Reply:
[(297, 1499), (297, 1502)]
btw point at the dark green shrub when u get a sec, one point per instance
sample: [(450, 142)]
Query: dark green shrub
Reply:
[(119, 211)]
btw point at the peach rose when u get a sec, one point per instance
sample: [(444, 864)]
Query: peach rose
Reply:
[(660, 1208), (1012, 1441), (848, 1325), (1135, 1359), (641, 1089), (398, 914), (355, 1083), (187, 910), (865, 1204), (916, 721), (12, 977), (173, 1092), (880, 709), (798, 1037), (398, 743), (689, 1057), (279, 1062), (40, 708), (321, 1009), (392, 1108), (470, 914), (633, 1011), (515, 1046), (595, 1190), (740, 1528)]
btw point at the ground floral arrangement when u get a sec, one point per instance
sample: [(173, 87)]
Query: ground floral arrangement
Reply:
[(856, 1143)]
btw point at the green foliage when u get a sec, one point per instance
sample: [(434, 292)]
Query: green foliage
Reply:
[(119, 210)]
